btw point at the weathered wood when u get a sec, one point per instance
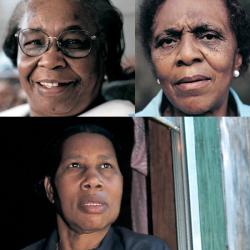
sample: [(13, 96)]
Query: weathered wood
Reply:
[(235, 141), (162, 183)]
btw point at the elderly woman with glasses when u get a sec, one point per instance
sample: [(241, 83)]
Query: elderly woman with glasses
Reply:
[(64, 49)]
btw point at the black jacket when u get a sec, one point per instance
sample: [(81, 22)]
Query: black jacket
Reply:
[(117, 238)]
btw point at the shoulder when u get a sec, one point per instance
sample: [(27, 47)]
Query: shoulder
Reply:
[(36, 246), (136, 241), (243, 109), (18, 111), (153, 107), (112, 108), (46, 243)]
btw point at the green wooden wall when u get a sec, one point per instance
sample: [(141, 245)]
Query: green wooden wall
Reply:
[(210, 188)]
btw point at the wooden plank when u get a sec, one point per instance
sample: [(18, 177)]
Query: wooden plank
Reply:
[(235, 140), (162, 183), (210, 187)]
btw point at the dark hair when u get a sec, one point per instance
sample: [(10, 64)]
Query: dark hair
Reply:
[(53, 151), (109, 22), (238, 19)]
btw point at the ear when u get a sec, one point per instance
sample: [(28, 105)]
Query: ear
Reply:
[(49, 189), (238, 60)]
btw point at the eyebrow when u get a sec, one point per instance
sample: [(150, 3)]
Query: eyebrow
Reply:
[(106, 157), (206, 27), (99, 157), (200, 28), (171, 32), (73, 27)]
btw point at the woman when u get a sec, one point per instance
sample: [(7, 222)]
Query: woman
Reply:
[(195, 49), (84, 183), (64, 50)]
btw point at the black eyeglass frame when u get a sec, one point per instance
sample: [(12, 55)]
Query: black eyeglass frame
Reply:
[(91, 36)]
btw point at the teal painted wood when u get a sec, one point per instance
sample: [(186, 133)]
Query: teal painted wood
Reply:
[(210, 187)]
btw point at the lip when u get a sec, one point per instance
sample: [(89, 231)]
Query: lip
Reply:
[(57, 82), (93, 206), (192, 79), (192, 83), (53, 87)]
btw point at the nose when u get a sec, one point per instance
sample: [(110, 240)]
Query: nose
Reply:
[(53, 58), (189, 51), (91, 181)]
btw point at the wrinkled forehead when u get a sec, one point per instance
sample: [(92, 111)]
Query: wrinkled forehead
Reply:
[(179, 14), (57, 14)]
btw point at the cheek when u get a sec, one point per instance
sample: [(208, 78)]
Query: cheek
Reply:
[(116, 188), (162, 66), (89, 71), (220, 64), (89, 66), (26, 66), (65, 192), (222, 60)]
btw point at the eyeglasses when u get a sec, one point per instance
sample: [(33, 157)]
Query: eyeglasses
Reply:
[(72, 43)]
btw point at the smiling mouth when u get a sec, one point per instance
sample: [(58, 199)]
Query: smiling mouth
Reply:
[(55, 84)]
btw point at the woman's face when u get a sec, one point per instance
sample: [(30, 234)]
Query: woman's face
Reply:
[(194, 53), (88, 184), (78, 79)]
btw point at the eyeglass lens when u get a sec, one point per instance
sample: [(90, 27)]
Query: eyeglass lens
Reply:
[(73, 43)]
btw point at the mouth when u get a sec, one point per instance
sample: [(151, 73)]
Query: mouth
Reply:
[(49, 84), (54, 87), (93, 207), (193, 83)]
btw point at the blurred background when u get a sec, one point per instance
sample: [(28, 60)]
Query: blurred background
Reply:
[(146, 86), (10, 92)]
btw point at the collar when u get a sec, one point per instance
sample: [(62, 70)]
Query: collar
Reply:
[(109, 108), (242, 109), (153, 108)]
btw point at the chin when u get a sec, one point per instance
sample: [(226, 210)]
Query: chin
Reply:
[(194, 107), (57, 112), (92, 228), (194, 111)]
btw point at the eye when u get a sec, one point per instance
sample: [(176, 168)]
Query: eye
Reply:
[(74, 165), (106, 166), (76, 44), (209, 36), (34, 43), (166, 42)]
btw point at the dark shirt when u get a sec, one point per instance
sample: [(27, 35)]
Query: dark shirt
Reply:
[(117, 238)]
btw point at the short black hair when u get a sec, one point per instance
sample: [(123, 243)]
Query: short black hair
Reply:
[(110, 24), (238, 19)]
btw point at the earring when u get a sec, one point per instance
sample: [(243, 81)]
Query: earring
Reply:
[(236, 73), (158, 81), (105, 77)]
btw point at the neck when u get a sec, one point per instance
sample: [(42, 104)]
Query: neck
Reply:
[(78, 239)]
